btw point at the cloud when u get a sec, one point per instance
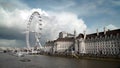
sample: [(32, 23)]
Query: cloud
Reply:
[(12, 5), (16, 19), (101, 29), (63, 21), (111, 27), (11, 19), (115, 2), (59, 16), (11, 23), (11, 43), (14, 23), (61, 5)]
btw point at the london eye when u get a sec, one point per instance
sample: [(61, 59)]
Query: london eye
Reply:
[(34, 26)]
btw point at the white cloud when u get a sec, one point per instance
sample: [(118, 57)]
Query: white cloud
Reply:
[(12, 15), (63, 21), (12, 19), (53, 22), (111, 27), (101, 29), (17, 19)]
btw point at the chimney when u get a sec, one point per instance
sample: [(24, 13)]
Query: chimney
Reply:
[(97, 32), (104, 30), (74, 33), (61, 35), (84, 34), (108, 29)]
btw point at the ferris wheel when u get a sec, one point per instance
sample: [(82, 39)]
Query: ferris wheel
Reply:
[(34, 25)]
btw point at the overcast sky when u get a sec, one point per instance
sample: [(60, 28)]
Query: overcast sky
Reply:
[(58, 15)]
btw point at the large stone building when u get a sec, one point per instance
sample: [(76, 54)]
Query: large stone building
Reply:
[(63, 44), (105, 43)]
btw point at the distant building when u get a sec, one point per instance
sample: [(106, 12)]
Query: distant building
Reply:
[(65, 34), (49, 46)]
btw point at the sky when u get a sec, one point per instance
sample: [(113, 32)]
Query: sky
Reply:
[(57, 16)]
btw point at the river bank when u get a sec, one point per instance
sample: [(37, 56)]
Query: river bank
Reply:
[(86, 57), (99, 58)]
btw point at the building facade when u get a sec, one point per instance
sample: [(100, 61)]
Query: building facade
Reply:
[(48, 47), (103, 43), (63, 44), (107, 42)]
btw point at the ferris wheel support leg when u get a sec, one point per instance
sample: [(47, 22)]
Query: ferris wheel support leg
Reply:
[(27, 40)]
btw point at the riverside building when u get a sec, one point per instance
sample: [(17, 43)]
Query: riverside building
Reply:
[(107, 42), (102, 43)]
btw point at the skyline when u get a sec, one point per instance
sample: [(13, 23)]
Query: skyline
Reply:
[(58, 15)]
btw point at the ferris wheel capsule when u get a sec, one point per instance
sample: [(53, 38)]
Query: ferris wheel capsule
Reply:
[(39, 33), (40, 20), (39, 16), (40, 28), (40, 24), (31, 17)]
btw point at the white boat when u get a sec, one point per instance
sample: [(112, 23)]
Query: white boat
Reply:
[(20, 54)]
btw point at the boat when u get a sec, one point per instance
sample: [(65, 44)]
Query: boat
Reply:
[(20, 54)]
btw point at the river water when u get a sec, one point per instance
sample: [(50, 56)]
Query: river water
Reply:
[(41, 61)]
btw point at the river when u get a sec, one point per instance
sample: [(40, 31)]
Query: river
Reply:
[(41, 61)]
